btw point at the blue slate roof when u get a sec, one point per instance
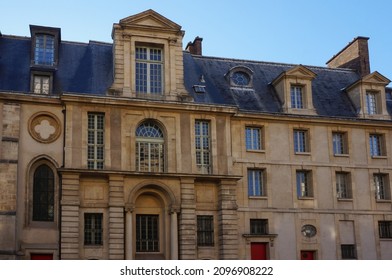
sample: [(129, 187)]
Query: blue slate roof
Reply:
[(82, 68), (329, 98), (87, 68)]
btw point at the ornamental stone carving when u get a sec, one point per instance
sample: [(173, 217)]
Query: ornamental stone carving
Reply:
[(44, 127)]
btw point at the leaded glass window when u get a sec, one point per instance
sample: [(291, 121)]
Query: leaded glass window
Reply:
[(150, 148), (371, 103), (376, 145)]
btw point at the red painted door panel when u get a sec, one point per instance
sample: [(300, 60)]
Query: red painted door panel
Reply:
[(258, 251), (41, 256), (307, 255)]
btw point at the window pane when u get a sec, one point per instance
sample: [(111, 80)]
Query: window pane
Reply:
[(95, 140), (43, 194), (205, 231), (149, 70), (149, 148), (202, 145), (147, 233), (93, 229), (44, 49)]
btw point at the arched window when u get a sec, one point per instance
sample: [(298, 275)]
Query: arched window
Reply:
[(43, 194), (149, 147)]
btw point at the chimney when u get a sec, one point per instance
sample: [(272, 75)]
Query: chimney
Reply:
[(354, 56), (195, 47)]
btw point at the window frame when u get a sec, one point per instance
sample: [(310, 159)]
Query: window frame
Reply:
[(256, 182), (304, 177), (385, 229), (339, 143), (258, 226), (372, 102), (377, 145), (297, 96), (144, 82), (381, 186), (96, 140), (93, 229), (149, 147), (205, 230), (348, 251), (343, 185), (301, 141), (203, 149), (37, 194), (150, 236), (252, 144)]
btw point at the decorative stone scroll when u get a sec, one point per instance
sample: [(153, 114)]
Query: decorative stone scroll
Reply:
[(44, 127)]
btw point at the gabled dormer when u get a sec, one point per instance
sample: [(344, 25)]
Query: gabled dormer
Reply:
[(148, 60), (294, 88), (368, 96)]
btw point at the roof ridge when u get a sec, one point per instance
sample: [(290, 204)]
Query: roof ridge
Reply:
[(270, 63)]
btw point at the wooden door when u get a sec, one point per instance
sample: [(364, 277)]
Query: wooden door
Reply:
[(258, 251)]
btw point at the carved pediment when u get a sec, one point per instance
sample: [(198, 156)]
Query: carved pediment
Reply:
[(150, 19)]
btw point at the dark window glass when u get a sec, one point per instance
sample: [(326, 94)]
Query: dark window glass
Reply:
[(43, 194)]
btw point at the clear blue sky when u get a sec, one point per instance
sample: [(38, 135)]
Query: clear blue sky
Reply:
[(305, 32)]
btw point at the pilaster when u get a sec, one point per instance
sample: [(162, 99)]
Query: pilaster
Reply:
[(187, 221)]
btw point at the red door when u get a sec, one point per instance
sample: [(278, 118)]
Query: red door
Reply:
[(307, 255), (41, 256), (258, 251)]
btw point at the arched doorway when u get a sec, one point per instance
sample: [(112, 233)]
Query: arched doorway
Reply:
[(151, 223)]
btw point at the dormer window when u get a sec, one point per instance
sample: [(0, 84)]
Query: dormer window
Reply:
[(372, 103), (368, 96), (294, 88), (149, 70), (297, 100), (44, 50), (240, 77), (44, 46), (41, 84)]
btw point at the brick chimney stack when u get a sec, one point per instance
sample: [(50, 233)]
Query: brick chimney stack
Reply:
[(354, 56), (195, 47)]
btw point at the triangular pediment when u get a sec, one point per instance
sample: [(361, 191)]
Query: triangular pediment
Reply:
[(301, 71), (150, 19), (376, 78)]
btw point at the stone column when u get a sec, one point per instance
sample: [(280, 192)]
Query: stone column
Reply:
[(128, 234), (174, 235)]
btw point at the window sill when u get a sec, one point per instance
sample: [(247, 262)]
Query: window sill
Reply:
[(305, 198), (302, 153), (256, 151), (262, 197), (341, 155), (383, 200), (345, 199), (379, 157), (389, 239)]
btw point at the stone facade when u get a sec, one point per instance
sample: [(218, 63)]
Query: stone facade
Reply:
[(122, 193)]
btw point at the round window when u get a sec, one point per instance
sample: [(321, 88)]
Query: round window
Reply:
[(240, 78), (309, 230)]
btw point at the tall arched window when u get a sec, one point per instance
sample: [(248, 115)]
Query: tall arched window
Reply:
[(43, 194), (149, 147)]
